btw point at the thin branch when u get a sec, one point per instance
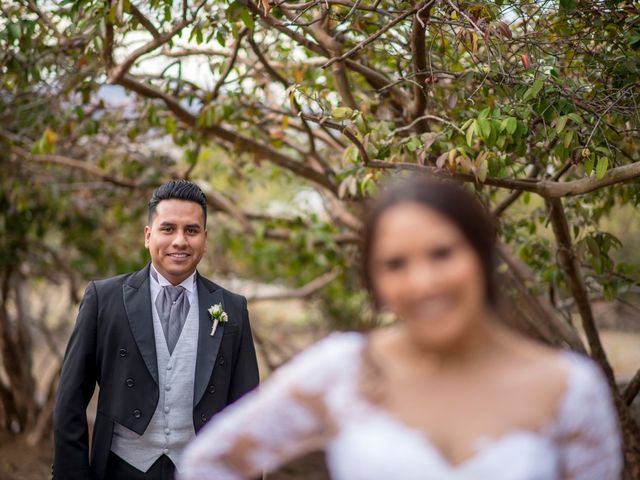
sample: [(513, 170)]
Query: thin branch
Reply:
[(229, 67), (513, 196), (538, 316), (571, 268), (376, 35), (429, 117), (46, 21), (242, 143), (346, 131), (270, 21), (189, 52), (144, 21), (544, 188), (77, 165), (219, 202), (378, 81), (419, 63), (298, 293), (119, 70), (270, 70), (354, 6)]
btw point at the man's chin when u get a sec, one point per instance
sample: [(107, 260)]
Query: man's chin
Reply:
[(177, 275)]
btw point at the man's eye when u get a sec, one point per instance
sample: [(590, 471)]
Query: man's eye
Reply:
[(166, 229), (192, 231)]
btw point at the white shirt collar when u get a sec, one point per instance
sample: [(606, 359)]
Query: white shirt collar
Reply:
[(188, 283)]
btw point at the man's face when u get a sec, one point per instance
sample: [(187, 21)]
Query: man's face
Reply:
[(176, 238)]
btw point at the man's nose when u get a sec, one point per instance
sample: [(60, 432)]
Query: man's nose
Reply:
[(179, 239)]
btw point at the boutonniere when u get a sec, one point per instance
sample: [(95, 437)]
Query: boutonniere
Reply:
[(218, 315)]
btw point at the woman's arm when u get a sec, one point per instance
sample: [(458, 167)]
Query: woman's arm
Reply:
[(285, 418)]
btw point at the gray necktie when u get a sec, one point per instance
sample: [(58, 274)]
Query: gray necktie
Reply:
[(173, 306)]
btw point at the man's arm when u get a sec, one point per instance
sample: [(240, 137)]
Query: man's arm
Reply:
[(245, 375), (77, 383)]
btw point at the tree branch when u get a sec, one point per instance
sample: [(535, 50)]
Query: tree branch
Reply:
[(544, 188), (267, 66), (270, 21), (119, 70), (144, 21), (242, 143), (77, 165), (537, 316), (346, 131), (575, 281), (378, 81), (376, 35), (229, 67), (419, 63), (298, 293)]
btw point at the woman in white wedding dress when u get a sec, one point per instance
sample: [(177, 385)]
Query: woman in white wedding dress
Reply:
[(448, 392)]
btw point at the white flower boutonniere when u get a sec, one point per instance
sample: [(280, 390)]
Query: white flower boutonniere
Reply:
[(218, 315)]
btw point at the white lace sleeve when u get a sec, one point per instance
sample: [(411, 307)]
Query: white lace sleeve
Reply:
[(286, 417), (589, 437)]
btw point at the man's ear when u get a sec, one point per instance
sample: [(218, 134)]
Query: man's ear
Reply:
[(147, 234)]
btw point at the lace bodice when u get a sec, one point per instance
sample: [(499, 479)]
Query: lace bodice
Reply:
[(314, 402)]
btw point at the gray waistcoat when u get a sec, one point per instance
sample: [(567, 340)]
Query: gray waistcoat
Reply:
[(171, 426)]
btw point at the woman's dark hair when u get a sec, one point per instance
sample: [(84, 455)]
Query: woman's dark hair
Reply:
[(450, 200), (178, 190)]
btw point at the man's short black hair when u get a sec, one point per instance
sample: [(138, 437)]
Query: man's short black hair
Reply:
[(178, 190)]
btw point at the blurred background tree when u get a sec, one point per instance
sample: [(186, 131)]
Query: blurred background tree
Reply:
[(289, 115)]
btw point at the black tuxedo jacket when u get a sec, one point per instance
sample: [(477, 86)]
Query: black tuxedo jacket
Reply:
[(113, 345)]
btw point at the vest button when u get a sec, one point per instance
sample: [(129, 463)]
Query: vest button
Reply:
[(203, 417), (212, 389), (123, 352), (137, 413), (221, 360), (130, 383)]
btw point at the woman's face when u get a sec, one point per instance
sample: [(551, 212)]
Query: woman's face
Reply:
[(425, 271)]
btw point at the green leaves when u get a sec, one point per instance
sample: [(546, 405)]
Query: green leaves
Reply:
[(340, 113), (568, 5), (588, 165), (484, 127), (509, 124), (601, 167), (533, 91)]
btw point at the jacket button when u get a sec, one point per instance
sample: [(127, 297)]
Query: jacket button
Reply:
[(221, 360), (137, 413), (203, 417), (212, 389), (123, 352), (130, 383)]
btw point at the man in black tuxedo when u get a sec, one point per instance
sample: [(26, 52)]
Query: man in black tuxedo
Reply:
[(148, 340)]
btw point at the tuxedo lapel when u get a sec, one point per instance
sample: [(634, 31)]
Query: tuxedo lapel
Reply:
[(208, 345), (137, 303)]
